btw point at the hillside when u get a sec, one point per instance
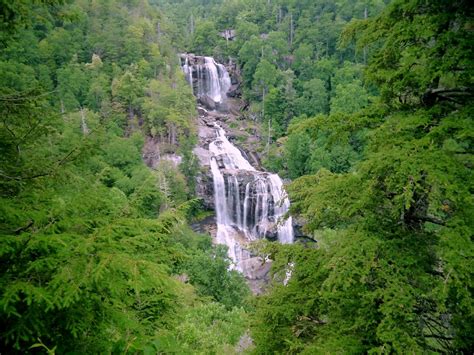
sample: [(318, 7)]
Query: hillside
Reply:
[(236, 176)]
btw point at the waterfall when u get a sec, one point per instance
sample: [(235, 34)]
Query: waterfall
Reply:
[(250, 204), (224, 78), (188, 71), (214, 85), (285, 229), (206, 77)]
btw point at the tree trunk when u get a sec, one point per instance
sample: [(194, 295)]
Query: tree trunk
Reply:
[(85, 129), (130, 112), (365, 47), (291, 29), (269, 134)]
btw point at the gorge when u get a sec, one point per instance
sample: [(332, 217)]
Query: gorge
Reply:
[(249, 204), (140, 212)]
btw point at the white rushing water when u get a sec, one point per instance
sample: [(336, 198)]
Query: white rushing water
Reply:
[(211, 78), (188, 71), (250, 204)]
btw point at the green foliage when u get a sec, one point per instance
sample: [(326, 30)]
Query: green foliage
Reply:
[(205, 38), (18, 14), (169, 109), (298, 152), (265, 77), (331, 142), (128, 90), (401, 204), (172, 183), (417, 57), (208, 272), (314, 99), (388, 201), (204, 329), (92, 241), (349, 98), (120, 153), (249, 55), (303, 63), (189, 165), (275, 108)]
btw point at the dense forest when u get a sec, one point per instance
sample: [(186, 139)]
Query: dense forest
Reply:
[(364, 106)]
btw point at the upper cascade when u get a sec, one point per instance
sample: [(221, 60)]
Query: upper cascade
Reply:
[(209, 79)]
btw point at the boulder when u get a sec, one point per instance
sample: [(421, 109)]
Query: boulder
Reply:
[(202, 111), (207, 102), (235, 91)]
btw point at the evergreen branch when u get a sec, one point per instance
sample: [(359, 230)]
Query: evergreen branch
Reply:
[(8, 129), (42, 174), (8, 177), (439, 337), (32, 128), (25, 96), (308, 238), (24, 228), (431, 219), (455, 95)]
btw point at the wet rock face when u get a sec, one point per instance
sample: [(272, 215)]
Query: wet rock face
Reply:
[(235, 91), (192, 59), (205, 189), (153, 154), (204, 182), (206, 226)]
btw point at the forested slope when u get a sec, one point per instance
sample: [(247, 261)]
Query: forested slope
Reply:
[(95, 252)]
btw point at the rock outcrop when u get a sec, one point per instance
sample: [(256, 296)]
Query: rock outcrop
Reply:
[(153, 154)]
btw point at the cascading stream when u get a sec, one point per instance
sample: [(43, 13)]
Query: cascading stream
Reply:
[(249, 204)]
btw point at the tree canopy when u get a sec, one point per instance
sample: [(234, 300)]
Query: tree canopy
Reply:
[(392, 267)]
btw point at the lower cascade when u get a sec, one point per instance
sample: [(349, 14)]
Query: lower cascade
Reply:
[(250, 204)]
